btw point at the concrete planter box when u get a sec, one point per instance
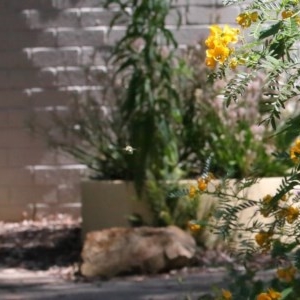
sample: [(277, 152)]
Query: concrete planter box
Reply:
[(108, 203)]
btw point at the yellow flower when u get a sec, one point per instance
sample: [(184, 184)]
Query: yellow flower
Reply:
[(291, 213), (226, 294), (266, 208), (254, 16), (210, 62), (267, 199), (243, 20), (284, 197), (215, 30), (295, 151), (217, 44), (233, 63), (263, 239), (202, 184), (263, 296), (229, 35), (286, 14), (221, 36), (274, 294), (193, 227), (270, 295), (219, 53), (286, 274), (192, 191), (210, 42)]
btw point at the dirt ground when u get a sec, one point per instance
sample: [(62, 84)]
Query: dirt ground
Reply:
[(55, 243), (40, 244), (41, 260)]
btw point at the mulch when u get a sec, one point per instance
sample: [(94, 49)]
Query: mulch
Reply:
[(40, 244)]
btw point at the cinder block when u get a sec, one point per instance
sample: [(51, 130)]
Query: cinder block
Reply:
[(12, 21), (4, 79), (52, 57), (15, 59), (34, 194), (190, 35), (200, 15), (18, 138), (92, 56), (47, 97), (13, 99), (3, 120), (42, 19), (99, 17), (17, 118), (25, 39), (71, 76), (175, 16), (210, 3), (31, 78), (227, 15), (85, 37), (3, 162), (69, 194), (16, 5), (114, 36), (32, 156), (13, 212), (78, 3), (63, 158), (15, 177), (4, 196), (97, 75), (48, 175)]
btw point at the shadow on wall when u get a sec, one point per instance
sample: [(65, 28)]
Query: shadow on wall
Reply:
[(46, 48)]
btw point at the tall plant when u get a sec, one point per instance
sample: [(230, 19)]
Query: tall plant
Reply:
[(151, 109)]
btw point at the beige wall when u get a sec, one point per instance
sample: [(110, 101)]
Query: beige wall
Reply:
[(44, 47)]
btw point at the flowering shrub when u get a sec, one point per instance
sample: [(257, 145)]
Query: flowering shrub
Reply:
[(240, 147), (265, 43)]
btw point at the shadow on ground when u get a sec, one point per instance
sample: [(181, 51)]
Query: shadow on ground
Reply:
[(40, 248)]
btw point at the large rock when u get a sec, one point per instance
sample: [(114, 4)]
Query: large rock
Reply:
[(142, 249)]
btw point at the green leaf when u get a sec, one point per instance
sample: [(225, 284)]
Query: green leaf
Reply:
[(286, 293), (272, 30)]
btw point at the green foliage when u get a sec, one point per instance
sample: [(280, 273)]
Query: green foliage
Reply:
[(151, 108), (90, 130), (274, 226), (238, 147)]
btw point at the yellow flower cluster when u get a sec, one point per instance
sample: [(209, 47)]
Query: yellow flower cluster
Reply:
[(263, 239), (202, 183), (218, 44), (286, 274), (226, 295), (266, 208), (193, 227), (267, 199), (290, 213), (192, 191), (295, 152), (270, 295), (246, 19), (288, 14)]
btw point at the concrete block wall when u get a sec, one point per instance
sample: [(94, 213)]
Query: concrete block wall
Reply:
[(45, 48)]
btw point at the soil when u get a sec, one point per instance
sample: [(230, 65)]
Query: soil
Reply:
[(40, 244)]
